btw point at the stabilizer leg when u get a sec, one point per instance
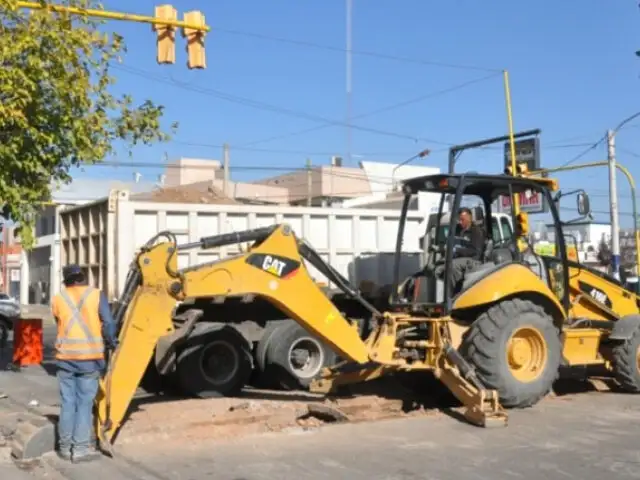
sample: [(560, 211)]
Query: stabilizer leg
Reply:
[(482, 407)]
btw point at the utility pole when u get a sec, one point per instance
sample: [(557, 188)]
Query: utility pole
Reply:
[(225, 167), (613, 200), (309, 183)]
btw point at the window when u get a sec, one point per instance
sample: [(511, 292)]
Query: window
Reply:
[(507, 233)]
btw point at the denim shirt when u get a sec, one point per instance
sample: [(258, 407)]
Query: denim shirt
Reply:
[(109, 335)]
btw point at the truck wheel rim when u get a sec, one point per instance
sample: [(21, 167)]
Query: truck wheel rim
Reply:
[(219, 362), (527, 354), (306, 357)]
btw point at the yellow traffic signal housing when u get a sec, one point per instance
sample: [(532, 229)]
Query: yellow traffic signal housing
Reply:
[(522, 224), (521, 169), (166, 34), (195, 40)]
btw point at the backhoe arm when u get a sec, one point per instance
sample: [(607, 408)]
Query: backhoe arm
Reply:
[(273, 268)]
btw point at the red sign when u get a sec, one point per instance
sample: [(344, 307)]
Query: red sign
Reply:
[(530, 201)]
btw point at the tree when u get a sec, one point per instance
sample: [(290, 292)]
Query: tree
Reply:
[(57, 110), (604, 252)]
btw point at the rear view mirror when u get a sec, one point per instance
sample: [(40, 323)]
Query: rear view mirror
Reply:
[(584, 207)]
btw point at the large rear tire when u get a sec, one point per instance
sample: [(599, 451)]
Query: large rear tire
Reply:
[(516, 350), (294, 358), (263, 378), (215, 363)]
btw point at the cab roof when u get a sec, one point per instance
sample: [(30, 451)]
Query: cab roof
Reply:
[(477, 184)]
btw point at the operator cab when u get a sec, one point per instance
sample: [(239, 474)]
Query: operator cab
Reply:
[(488, 198)]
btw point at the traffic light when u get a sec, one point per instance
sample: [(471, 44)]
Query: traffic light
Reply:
[(195, 40), (166, 34), (522, 224), (521, 169)]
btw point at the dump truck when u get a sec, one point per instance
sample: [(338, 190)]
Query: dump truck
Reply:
[(496, 337)]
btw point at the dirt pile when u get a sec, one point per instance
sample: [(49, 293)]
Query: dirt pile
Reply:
[(200, 192)]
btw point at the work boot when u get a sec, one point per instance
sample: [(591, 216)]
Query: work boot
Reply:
[(87, 455), (64, 454)]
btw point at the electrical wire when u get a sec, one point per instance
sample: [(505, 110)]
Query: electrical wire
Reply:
[(262, 105), (620, 126), (325, 122), (383, 56), (387, 108), (283, 152)]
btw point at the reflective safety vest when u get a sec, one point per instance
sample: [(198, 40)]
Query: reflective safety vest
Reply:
[(79, 327)]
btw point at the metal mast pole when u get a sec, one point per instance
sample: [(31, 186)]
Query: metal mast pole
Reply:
[(348, 53)]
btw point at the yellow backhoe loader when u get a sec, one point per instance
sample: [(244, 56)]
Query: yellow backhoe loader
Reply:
[(496, 337)]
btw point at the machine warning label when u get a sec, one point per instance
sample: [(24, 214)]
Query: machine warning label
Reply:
[(595, 293), (276, 265)]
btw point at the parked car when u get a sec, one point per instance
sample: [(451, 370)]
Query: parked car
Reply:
[(9, 311)]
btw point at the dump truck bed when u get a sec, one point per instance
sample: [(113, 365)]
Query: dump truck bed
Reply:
[(103, 236)]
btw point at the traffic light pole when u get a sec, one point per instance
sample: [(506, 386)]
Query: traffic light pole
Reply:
[(515, 201), (165, 22), (111, 15)]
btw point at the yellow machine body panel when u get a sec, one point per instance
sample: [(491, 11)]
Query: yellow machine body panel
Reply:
[(582, 346), (595, 296), (514, 279)]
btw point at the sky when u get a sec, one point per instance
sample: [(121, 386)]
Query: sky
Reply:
[(425, 74)]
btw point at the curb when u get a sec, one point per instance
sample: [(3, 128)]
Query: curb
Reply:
[(29, 433)]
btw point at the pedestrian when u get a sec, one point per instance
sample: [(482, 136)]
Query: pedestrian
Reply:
[(85, 329)]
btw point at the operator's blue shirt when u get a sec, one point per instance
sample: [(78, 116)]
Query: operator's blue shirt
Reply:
[(109, 335)]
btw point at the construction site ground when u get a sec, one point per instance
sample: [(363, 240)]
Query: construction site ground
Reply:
[(577, 432)]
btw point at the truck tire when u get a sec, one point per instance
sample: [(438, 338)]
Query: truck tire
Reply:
[(293, 357), (262, 375), (626, 363), (516, 349), (215, 363)]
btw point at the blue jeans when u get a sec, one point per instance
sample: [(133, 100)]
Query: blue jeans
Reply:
[(75, 426)]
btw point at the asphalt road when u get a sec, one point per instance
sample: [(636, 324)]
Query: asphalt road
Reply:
[(585, 436), (593, 436)]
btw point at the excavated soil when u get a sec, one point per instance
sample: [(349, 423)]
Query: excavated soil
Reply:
[(258, 412), (179, 423), (200, 192)]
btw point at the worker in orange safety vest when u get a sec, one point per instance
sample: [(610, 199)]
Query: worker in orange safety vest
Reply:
[(85, 329)]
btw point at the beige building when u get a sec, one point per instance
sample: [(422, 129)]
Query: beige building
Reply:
[(317, 185), (320, 186)]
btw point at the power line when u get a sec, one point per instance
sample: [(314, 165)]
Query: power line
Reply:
[(326, 171), (384, 56), (283, 152), (621, 125), (629, 152), (326, 122), (387, 108), (262, 105)]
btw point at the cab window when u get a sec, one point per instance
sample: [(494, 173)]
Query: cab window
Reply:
[(507, 233)]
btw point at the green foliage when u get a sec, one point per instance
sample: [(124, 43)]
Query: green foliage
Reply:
[(56, 106)]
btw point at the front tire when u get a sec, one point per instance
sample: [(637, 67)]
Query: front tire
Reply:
[(626, 363), (516, 350)]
